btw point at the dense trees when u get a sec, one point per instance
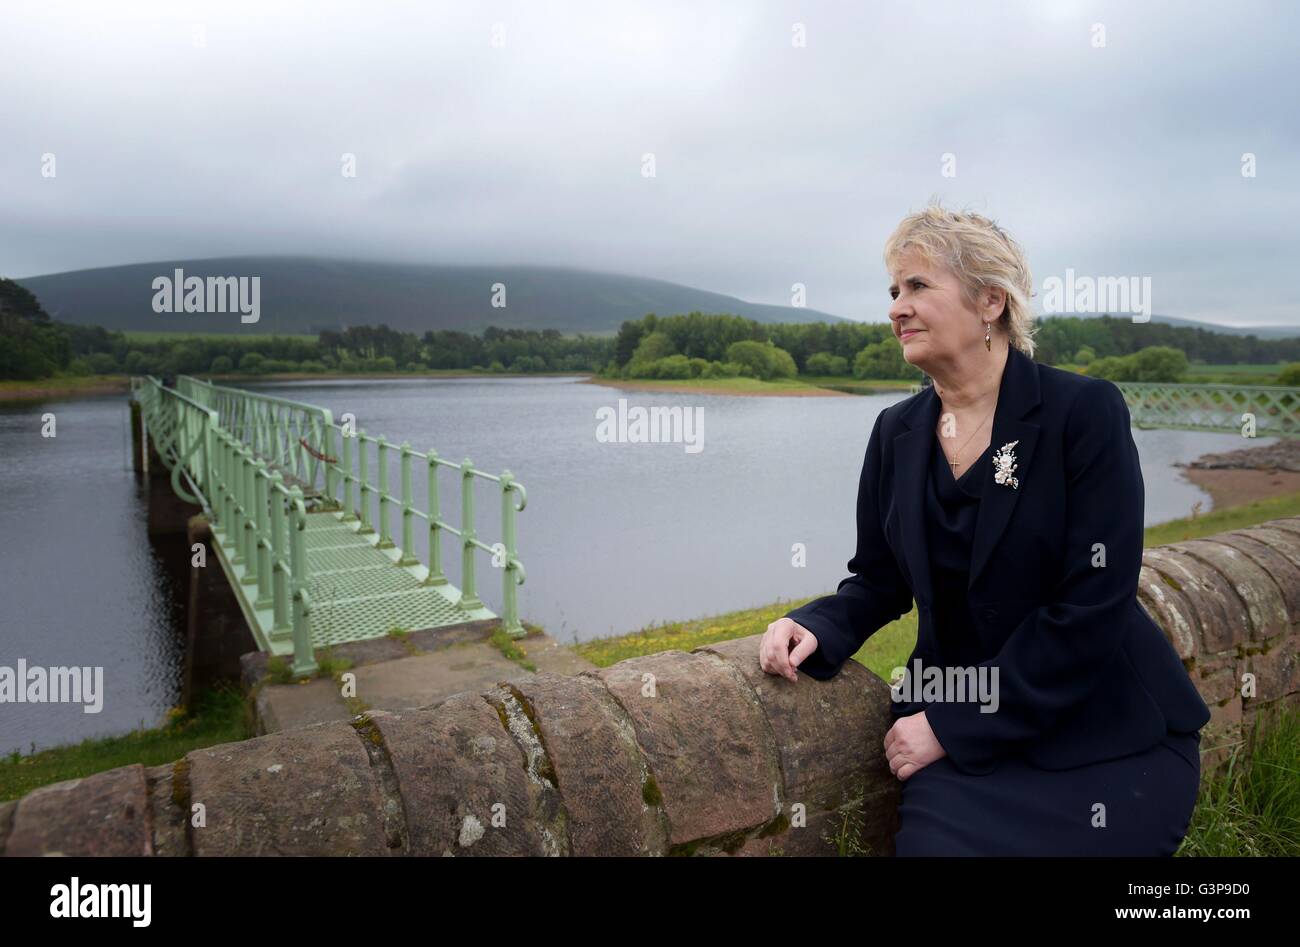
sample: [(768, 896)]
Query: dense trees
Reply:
[(1153, 363), (30, 345)]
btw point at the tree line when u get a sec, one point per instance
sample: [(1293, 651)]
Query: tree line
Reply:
[(693, 345)]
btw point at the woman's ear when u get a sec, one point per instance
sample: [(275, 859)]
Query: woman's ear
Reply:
[(995, 300)]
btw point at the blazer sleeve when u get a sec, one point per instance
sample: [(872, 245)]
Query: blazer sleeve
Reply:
[(1054, 658), (875, 594)]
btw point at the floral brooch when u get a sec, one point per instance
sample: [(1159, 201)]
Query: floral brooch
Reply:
[(1004, 460)]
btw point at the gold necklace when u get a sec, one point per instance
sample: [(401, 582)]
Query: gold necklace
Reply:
[(953, 463)]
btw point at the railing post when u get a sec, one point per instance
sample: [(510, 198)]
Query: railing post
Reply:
[(468, 595), (249, 537), (219, 524), (508, 581), (238, 506), (279, 561), (304, 660), (327, 451), (262, 537), (435, 576), (365, 483), (385, 537), (408, 557), (210, 459), (348, 512)]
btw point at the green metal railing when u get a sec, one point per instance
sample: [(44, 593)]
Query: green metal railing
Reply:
[(1209, 407), (256, 463)]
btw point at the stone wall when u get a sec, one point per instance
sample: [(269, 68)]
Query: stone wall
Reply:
[(672, 753), (1230, 603)]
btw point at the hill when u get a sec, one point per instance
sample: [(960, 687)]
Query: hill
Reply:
[(308, 294)]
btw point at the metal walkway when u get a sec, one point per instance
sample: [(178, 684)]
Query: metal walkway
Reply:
[(303, 530), (357, 590)]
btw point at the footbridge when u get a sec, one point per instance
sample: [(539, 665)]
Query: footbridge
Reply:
[(302, 511)]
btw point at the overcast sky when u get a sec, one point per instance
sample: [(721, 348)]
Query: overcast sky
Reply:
[(515, 133)]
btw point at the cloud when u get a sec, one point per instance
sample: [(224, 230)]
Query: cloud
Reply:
[(206, 129)]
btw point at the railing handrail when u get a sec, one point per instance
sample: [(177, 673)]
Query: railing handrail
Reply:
[(1212, 385), (245, 393)]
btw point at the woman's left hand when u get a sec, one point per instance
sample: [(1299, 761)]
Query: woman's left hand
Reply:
[(911, 745)]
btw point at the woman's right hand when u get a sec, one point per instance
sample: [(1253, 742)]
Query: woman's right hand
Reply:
[(775, 656)]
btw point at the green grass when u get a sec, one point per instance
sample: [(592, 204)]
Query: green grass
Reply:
[(279, 668), (71, 384), (859, 386), (887, 649), (508, 648), (1252, 808), (220, 716), (1223, 519), (1234, 374)]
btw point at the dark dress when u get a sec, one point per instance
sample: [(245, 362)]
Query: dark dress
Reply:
[(1018, 808)]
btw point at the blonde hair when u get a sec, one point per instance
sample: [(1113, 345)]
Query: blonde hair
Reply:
[(980, 254)]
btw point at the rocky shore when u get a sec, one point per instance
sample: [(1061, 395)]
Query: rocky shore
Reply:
[(1248, 474), (1284, 455)]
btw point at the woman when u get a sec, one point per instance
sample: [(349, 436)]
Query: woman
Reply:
[(1006, 499)]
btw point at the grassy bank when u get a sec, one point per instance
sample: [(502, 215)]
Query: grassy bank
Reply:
[(220, 716), (1253, 808), (1223, 519), (63, 386)]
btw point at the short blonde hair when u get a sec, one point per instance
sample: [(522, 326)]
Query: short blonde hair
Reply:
[(980, 254)]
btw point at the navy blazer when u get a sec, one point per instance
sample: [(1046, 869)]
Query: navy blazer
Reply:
[(1084, 673)]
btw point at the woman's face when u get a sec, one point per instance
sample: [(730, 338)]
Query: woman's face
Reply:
[(934, 323)]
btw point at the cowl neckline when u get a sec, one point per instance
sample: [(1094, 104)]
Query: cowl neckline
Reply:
[(969, 484)]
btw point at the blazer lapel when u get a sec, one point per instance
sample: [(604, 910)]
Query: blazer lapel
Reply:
[(1017, 396), (1018, 393)]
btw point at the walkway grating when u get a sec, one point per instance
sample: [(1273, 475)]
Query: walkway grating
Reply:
[(357, 590)]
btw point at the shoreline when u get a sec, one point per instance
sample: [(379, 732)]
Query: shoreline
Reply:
[(683, 387), (1247, 474), (96, 385), (93, 385), (51, 388)]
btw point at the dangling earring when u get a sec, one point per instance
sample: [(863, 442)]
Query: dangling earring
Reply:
[(988, 336)]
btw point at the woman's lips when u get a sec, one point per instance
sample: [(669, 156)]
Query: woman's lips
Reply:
[(908, 333)]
